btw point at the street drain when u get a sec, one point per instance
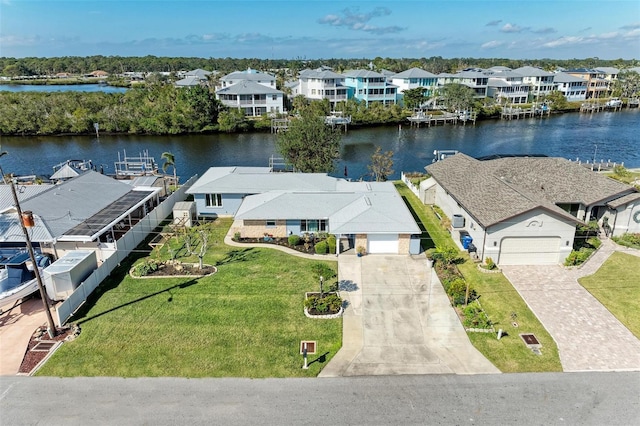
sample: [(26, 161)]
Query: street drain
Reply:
[(43, 346)]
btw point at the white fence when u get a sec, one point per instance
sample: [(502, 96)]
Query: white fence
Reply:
[(411, 186), (125, 245)]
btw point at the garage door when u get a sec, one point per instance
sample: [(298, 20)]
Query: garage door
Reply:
[(529, 251), (382, 243)]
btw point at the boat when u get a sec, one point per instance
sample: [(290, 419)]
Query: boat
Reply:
[(613, 103), (17, 276)]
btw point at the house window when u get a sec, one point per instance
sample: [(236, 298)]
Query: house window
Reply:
[(270, 224), (274, 97), (313, 225), (214, 200)]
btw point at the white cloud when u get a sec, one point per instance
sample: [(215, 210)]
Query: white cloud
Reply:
[(493, 23), (565, 41), (359, 21), (512, 28), (492, 44)]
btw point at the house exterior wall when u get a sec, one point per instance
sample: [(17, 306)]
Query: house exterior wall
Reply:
[(257, 229), (361, 240), (536, 223), (625, 220), (293, 227), (230, 205)]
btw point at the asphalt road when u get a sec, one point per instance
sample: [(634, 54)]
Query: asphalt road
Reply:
[(505, 399)]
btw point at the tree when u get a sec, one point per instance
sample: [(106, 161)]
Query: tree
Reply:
[(557, 100), (170, 161), (381, 164), (413, 98), (457, 97), (309, 145)]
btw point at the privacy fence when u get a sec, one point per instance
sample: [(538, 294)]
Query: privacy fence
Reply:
[(125, 246)]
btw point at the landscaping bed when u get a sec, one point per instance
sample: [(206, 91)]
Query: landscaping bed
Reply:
[(32, 358)]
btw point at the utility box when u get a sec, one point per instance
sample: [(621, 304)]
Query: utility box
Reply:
[(457, 221), (414, 245), (184, 213), (64, 275)]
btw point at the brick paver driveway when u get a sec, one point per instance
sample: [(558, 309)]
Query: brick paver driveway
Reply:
[(588, 336)]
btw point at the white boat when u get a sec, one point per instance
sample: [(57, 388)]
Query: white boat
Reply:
[(613, 103), (17, 276)]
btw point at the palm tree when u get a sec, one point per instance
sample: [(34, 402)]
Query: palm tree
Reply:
[(170, 161)]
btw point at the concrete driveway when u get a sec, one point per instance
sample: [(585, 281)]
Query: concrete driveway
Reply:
[(399, 321)]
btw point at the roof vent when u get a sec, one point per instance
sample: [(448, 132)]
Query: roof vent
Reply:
[(367, 200)]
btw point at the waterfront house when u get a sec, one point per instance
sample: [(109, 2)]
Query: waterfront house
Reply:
[(597, 85), (370, 87), (90, 212), (524, 210), (573, 88), (473, 78), (412, 79), (320, 84), (253, 98), (507, 86), (255, 76), (540, 82), (367, 214)]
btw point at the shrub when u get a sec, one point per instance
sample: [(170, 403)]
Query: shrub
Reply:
[(323, 235), (293, 240), (491, 265), (594, 242), (331, 242), (475, 317), (629, 240), (236, 236), (578, 257), (322, 247), (328, 303), (458, 290), (146, 267)]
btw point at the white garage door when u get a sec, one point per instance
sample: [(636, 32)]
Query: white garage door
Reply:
[(382, 243), (529, 251)]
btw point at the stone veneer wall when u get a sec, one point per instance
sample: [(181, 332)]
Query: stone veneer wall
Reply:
[(404, 241), (361, 240), (257, 229)]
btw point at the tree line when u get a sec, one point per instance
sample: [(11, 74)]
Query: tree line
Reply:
[(32, 66)]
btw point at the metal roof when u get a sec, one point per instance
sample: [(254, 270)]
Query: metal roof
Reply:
[(11, 229), (256, 180), (414, 73), (24, 192), (64, 206), (377, 210), (247, 87)]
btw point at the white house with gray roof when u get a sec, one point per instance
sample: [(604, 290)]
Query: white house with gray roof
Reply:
[(253, 98), (321, 83), (414, 78), (524, 210), (540, 81), (573, 88), (368, 214)]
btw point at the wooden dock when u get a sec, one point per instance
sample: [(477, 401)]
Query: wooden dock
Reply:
[(511, 113), (446, 118), (599, 166)]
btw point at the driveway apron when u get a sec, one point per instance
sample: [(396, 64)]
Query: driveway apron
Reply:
[(588, 336), (399, 321)]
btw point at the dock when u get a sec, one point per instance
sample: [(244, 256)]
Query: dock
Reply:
[(421, 117), (511, 113), (599, 166)]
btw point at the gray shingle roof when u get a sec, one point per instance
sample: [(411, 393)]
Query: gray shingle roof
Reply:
[(320, 73), (624, 200), (493, 191), (532, 72), (562, 77), (252, 75)]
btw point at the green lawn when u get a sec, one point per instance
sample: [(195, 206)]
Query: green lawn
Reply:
[(499, 300), (617, 286), (246, 320)]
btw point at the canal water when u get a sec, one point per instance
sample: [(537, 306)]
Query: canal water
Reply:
[(605, 136)]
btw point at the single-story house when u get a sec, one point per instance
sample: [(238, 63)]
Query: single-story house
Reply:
[(367, 214), (524, 210)]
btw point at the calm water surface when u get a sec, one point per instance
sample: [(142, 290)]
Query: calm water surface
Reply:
[(607, 135)]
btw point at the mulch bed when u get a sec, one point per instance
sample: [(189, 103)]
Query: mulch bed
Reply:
[(170, 270), (281, 242), (32, 358)]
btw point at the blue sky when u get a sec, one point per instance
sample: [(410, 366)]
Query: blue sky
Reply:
[(515, 29)]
